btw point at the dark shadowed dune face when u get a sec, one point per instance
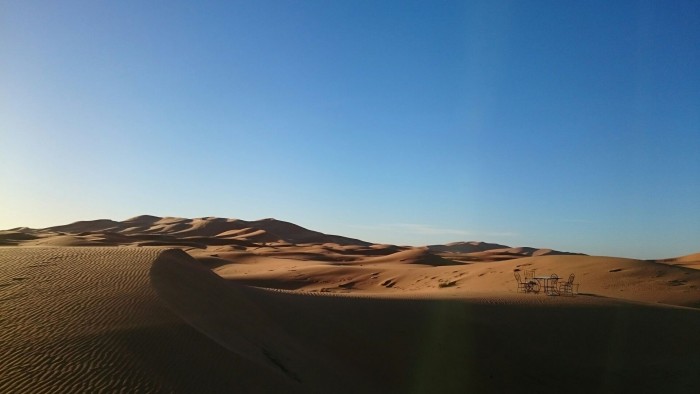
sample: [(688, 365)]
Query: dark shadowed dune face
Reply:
[(89, 320)]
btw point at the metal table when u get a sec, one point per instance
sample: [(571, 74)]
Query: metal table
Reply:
[(548, 283)]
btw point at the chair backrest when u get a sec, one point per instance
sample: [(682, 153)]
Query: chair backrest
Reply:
[(529, 274), (517, 276), (554, 276), (571, 279)]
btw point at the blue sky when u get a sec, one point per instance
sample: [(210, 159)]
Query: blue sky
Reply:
[(562, 124)]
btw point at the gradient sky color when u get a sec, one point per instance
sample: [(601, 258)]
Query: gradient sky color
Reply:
[(572, 125)]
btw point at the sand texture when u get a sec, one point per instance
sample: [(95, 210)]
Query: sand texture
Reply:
[(222, 305)]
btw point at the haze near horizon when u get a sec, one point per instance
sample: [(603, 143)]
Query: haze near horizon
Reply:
[(558, 124)]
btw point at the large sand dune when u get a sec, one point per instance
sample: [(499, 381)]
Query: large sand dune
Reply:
[(89, 320), (89, 307)]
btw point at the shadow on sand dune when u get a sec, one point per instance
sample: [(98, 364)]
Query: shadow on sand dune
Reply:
[(320, 343)]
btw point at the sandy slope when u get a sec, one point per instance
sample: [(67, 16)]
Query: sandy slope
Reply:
[(89, 320), (689, 261), (411, 273), (95, 319), (260, 309)]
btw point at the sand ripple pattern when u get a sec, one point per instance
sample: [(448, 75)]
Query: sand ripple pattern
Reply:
[(88, 320)]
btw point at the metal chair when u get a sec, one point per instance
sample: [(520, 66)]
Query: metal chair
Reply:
[(522, 286), (567, 288), (550, 285), (527, 286)]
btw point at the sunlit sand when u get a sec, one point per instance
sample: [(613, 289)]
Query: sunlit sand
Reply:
[(156, 304)]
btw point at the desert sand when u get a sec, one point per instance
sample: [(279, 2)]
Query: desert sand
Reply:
[(155, 304)]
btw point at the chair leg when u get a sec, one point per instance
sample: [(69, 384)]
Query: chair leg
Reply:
[(567, 290)]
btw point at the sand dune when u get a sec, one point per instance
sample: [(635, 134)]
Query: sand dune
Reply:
[(466, 247), (615, 278), (220, 231), (89, 320), (689, 261), (268, 306), (411, 256), (207, 231)]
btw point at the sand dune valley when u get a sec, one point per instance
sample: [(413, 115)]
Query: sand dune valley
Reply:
[(213, 305)]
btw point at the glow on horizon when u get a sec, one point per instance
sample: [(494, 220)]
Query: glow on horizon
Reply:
[(558, 124)]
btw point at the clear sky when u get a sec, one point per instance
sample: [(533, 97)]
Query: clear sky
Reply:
[(573, 125)]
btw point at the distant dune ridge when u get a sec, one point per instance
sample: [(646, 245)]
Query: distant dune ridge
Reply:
[(165, 304), (212, 230), (149, 228)]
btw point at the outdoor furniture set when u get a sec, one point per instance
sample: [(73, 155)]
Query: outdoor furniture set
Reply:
[(549, 284)]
